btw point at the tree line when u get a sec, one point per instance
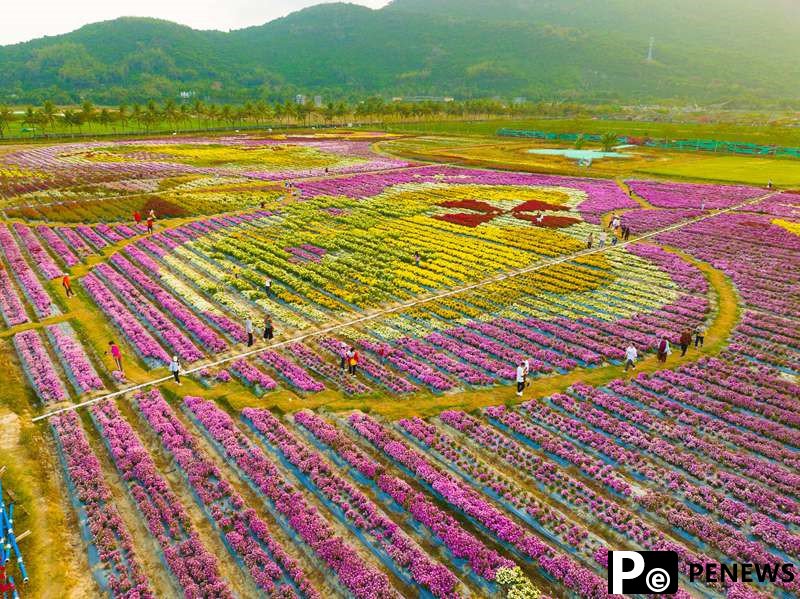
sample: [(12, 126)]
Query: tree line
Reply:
[(198, 114)]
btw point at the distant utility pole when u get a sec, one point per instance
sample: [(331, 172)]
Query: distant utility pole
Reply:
[(650, 50)]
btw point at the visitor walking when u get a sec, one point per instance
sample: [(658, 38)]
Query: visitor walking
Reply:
[(268, 329), (527, 364), (248, 328), (346, 358), (626, 232), (520, 379), (175, 369), (353, 362), (699, 335), (149, 225), (137, 218), (615, 223), (65, 282), (602, 239), (151, 214), (268, 287), (614, 238), (769, 184), (417, 258), (664, 349), (631, 355), (590, 241), (686, 341), (116, 355)]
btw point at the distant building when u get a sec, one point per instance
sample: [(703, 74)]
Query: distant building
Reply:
[(300, 99), (424, 99), (318, 101), (519, 100)]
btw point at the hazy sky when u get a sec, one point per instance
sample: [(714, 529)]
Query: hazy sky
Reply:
[(28, 20)]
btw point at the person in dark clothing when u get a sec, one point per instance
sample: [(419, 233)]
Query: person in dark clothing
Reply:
[(686, 341), (150, 225), (268, 329)]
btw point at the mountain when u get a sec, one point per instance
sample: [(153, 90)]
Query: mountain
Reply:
[(585, 50)]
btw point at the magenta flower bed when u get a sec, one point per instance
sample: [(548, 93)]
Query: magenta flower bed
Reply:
[(643, 221), (483, 561), (253, 377), (98, 243), (693, 195), (28, 282), (128, 325), (378, 373), (205, 336), (39, 368), (38, 254), (74, 360), (150, 315), (292, 373), (246, 534), (122, 573), (399, 359), (58, 247), (311, 360), (466, 499), (352, 572), (192, 566), (445, 363), (358, 510), (10, 305)]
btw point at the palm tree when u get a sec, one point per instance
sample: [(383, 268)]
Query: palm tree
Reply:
[(49, 112), (104, 118), (6, 116), (136, 113), (122, 115), (87, 111), (170, 112), (608, 141)]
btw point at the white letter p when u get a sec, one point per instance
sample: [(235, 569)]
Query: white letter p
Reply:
[(618, 574)]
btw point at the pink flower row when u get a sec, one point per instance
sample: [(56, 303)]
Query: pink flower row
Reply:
[(124, 572), (73, 358), (353, 573), (39, 368), (128, 325), (483, 561), (193, 567), (29, 283), (358, 510)]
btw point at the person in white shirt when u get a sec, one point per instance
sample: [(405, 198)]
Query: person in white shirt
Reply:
[(248, 328), (602, 239), (268, 287), (175, 369), (631, 356), (520, 379)]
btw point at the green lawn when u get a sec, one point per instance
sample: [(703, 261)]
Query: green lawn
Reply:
[(755, 171), (784, 136)]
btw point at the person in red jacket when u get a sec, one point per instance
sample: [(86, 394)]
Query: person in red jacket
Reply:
[(137, 217), (353, 362), (65, 282), (686, 341)]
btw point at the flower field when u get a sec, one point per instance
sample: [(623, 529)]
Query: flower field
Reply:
[(274, 471)]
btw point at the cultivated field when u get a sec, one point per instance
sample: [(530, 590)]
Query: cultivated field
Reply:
[(273, 470)]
